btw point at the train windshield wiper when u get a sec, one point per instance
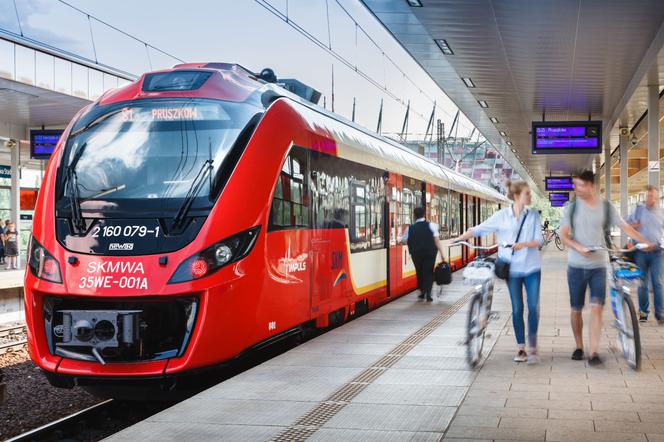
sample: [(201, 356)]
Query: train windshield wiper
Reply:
[(195, 189), (104, 192), (71, 180)]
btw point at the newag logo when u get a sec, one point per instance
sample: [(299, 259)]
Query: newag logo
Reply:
[(121, 246)]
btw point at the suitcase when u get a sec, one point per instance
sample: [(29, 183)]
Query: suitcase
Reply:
[(442, 274)]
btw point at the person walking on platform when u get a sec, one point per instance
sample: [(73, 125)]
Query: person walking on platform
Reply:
[(648, 220), (586, 223), (423, 243), (521, 227)]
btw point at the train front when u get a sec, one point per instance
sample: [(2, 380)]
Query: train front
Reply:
[(128, 241)]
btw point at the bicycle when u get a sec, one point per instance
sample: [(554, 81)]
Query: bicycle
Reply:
[(479, 273), (624, 280), (553, 235)]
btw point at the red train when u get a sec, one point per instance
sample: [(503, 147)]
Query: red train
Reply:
[(201, 211)]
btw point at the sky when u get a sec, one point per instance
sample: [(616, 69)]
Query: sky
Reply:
[(254, 33)]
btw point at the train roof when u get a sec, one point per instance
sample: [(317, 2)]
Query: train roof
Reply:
[(236, 83)]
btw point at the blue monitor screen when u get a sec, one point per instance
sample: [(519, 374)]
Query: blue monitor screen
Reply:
[(559, 196), (558, 183), (567, 137), (43, 142)]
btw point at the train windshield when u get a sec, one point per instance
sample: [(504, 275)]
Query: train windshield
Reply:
[(151, 155)]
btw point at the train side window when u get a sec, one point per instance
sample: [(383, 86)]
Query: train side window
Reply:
[(406, 208), (376, 200), (290, 203), (358, 212)]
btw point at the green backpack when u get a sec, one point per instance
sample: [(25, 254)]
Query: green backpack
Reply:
[(607, 221)]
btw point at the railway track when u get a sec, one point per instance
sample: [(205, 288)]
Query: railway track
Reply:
[(12, 338), (93, 423)]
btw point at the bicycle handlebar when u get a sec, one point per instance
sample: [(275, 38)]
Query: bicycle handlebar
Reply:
[(639, 246), (473, 246)]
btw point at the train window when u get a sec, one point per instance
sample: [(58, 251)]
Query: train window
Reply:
[(406, 208), (376, 199), (289, 205), (358, 212)]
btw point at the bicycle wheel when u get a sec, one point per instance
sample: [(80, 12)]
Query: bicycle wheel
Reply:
[(475, 331), (559, 243), (629, 337)]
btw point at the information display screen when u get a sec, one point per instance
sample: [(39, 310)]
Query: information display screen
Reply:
[(559, 183), (550, 137), (43, 142), (559, 196), (557, 203)]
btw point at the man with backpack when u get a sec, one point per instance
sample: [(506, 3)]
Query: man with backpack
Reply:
[(423, 243), (586, 223), (648, 219)]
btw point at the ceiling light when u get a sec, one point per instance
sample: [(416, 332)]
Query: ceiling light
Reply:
[(502, 133), (514, 150), (442, 44), (483, 103), (494, 120), (509, 143), (468, 81), (414, 3)]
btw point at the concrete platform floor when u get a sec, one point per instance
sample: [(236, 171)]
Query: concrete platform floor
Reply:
[(399, 374)]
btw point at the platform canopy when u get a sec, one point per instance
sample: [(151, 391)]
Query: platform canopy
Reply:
[(524, 59)]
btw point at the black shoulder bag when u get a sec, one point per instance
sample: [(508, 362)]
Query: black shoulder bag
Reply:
[(502, 267)]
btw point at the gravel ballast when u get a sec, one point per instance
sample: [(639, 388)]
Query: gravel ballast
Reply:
[(30, 400)]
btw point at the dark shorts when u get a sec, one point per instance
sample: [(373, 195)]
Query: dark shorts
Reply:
[(579, 279)]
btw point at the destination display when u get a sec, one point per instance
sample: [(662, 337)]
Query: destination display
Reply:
[(557, 203), (559, 196), (551, 137), (558, 183), (43, 142)]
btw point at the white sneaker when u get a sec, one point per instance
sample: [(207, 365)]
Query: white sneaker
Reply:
[(533, 358), (521, 356)]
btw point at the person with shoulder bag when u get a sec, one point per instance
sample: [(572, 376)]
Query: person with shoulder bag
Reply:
[(423, 243), (519, 264)]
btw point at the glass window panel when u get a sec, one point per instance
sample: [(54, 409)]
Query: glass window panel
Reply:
[(8, 19), (62, 81), (286, 167), (279, 191), (6, 58), (25, 64), (79, 80), (296, 192), (110, 82), (44, 70), (96, 84)]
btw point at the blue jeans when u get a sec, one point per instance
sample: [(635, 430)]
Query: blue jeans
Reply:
[(650, 264), (578, 280), (515, 285)]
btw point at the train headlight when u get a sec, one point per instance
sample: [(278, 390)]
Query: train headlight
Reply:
[(42, 264), (223, 254), (216, 256)]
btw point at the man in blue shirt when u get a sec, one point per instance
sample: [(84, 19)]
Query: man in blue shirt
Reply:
[(648, 219)]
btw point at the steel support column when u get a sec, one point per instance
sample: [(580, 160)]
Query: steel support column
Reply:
[(15, 190), (653, 135), (597, 167), (624, 163), (607, 170)]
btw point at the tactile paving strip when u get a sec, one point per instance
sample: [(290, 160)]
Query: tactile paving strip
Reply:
[(308, 424)]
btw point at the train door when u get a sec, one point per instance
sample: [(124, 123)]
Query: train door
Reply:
[(462, 223), (393, 221), (329, 248), (471, 221)]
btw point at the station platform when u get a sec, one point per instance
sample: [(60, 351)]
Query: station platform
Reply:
[(399, 374)]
